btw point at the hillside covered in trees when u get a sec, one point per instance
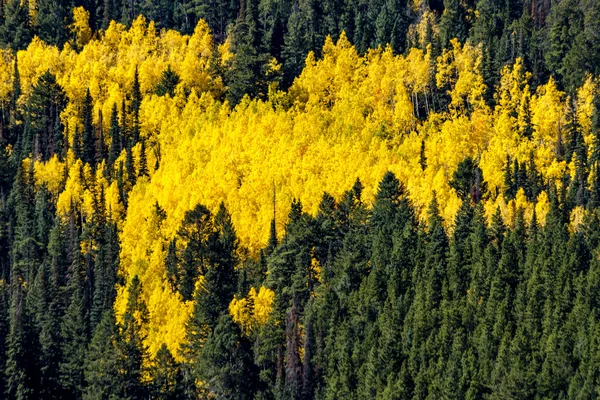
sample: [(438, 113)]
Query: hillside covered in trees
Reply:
[(284, 199)]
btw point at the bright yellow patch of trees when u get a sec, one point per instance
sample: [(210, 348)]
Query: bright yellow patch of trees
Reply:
[(253, 310)]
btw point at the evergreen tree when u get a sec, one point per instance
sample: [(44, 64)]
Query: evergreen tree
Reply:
[(15, 31), (166, 376), (102, 366), (247, 74), (100, 150), (46, 103), (22, 369), (130, 167), (77, 150), (4, 331), (136, 103), (116, 142), (74, 339), (45, 309), (196, 228), (52, 19), (172, 265), (453, 23), (226, 362), (132, 351), (168, 83), (88, 148), (422, 157), (143, 169)]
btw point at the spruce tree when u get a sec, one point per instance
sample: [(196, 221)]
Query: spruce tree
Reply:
[(226, 362), (102, 366), (166, 376), (196, 228), (172, 265), (132, 350), (45, 309), (22, 368), (130, 167), (143, 169), (16, 32), (74, 339), (52, 18), (453, 22), (168, 83), (76, 146), (248, 72), (4, 331), (116, 144), (136, 103), (87, 138), (44, 106)]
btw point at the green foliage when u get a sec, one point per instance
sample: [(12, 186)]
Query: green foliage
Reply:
[(45, 105), (88, 151), (15, 31), (168, 83)]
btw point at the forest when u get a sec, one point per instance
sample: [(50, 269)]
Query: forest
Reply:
[(299, 199)]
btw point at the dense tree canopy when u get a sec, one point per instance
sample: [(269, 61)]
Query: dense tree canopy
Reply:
[(272, 199)]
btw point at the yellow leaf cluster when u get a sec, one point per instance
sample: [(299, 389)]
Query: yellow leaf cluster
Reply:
[(254, 310)]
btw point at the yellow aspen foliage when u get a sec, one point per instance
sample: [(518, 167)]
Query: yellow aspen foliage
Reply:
[(71, 196), (519, 204), (254, 310), (33, 11), (585, 99), (576, 219), (425, 30), (459, 70), (6, 73), (81, 26), (548, 119), (50, 174), (542, 208)]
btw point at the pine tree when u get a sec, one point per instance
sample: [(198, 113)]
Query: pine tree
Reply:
[(453, 23), (166, 376), (44, 106), (510, 188), (226, 363), (102, 366), (172, 265), (76, 146), (116, 145), (110, 13), (22, 370), (87, 139), (25, 248), (130, 167), (132, 350), (422, 157), (168, 83), (136, 103), (296, 43), (52, 16), (4, 331), (247, 73), (100, 151), (143, 169), (293, 367), (74, 339), (45, 309), (196, 229), (16, 30)]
